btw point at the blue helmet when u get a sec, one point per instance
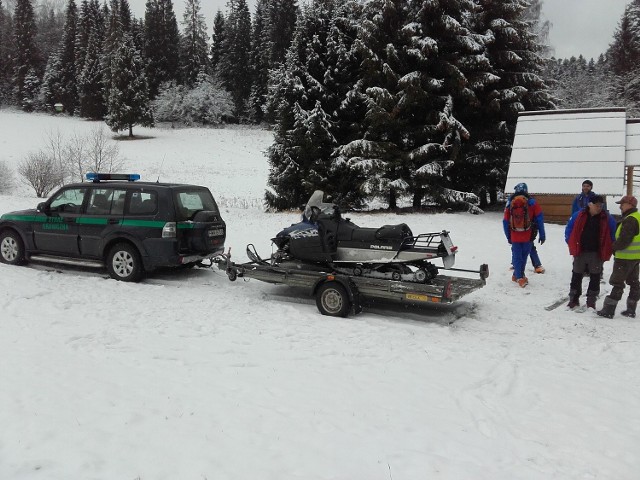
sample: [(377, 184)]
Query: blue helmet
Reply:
[(521, 188)]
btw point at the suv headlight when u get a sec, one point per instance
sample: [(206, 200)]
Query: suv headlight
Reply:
[(169, 230)]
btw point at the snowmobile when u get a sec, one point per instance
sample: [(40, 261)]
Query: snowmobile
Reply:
[(340, 263), (325, 238)]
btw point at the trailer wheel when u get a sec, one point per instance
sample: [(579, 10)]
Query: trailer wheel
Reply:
[(332, 299), (232, 274)]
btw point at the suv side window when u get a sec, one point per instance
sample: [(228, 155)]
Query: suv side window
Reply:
[(143, 203), (106, 201), (68, 200)]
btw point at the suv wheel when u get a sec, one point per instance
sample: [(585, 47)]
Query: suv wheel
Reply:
[(11, 248), (123, 263)]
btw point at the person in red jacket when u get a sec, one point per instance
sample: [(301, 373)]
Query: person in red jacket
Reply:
[(590, 234), (520, 214)]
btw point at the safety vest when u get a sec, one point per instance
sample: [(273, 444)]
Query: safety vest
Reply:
[(632, 252)]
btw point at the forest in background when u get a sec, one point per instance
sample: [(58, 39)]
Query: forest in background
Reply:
[(387, 99)]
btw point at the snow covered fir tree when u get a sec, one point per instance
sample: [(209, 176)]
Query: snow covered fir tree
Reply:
[(401, 101)]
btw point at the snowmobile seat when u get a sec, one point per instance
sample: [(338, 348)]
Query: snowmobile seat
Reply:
[(366, 235), (394, 232)]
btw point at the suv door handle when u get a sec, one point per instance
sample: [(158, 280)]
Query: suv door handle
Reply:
[(114, 221)]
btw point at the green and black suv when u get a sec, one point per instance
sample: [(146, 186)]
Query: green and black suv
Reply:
[(114, 221)]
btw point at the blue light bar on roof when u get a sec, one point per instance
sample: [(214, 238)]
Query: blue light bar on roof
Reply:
[(99, 177)]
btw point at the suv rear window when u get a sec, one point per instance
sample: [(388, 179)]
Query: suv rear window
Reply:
[(189, 202)]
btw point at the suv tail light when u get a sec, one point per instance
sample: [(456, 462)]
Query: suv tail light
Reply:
[(169, 230)]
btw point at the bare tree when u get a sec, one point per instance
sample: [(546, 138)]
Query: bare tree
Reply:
[(103, 154), (41, 171), (79, 154), (6, 177), (74, 158)]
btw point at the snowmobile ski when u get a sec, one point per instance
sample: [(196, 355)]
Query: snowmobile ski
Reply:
[(557, 303)]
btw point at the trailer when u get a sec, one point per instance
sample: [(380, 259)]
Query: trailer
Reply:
[(338, 293)]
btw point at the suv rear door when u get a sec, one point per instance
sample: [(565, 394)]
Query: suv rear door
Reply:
[(200, 228)]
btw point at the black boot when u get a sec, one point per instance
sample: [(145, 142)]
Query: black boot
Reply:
[(608, 308), (631, 309)]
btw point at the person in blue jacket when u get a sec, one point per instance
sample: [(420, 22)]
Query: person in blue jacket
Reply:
[(582, 199)]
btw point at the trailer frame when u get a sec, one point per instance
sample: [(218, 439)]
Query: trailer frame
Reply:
[(338, 294)]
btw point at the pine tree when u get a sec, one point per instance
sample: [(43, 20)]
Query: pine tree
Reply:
[(217, 41), (125, 15), (59, 84), (91, 80), (274, 24), (52, 88), (306, 82), (31, 90), (515, 84), (407, 91), (49, 18), (27, 58), (162, 40), (82, 35), (114, 38), (194, 48), (6, 49), (624, 51), (260, 49), (577, 83), (128, 101), (624, 57), (68, 80), (235, 62), (282, 15)]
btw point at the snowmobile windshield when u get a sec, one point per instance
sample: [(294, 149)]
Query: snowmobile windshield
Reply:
[(316, 201)]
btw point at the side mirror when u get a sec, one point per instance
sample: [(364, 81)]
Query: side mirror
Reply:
[(43, 207)]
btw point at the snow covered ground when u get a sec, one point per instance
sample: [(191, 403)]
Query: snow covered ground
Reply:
[(190, 376)]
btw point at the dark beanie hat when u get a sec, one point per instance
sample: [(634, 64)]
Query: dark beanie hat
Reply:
[(588, 182)]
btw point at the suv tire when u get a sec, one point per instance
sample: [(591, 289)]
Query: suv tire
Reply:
[(11, 248), (124, 263)]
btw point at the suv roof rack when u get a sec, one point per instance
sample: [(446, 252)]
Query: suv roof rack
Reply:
[(101, 177)]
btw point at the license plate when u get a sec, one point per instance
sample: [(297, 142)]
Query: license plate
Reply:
[(417, 298), (216, 232)]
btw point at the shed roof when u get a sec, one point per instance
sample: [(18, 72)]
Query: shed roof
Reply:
[(554, 151)]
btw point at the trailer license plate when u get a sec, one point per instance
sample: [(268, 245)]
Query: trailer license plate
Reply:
[(216, 232), (416, 297)]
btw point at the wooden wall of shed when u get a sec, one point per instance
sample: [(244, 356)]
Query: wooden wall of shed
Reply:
[(556, 208)]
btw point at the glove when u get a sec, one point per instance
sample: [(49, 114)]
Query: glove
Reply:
[(542, 240)]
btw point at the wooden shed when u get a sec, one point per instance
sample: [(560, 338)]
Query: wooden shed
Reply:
[(554, 151)]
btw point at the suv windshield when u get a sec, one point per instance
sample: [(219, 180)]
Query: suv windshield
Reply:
[(189, 202)]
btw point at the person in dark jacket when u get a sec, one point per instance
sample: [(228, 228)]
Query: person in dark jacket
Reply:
[(583, 198), (590, 234), (626, 250)]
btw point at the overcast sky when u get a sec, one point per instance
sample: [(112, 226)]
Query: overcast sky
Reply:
[(579, 26)]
